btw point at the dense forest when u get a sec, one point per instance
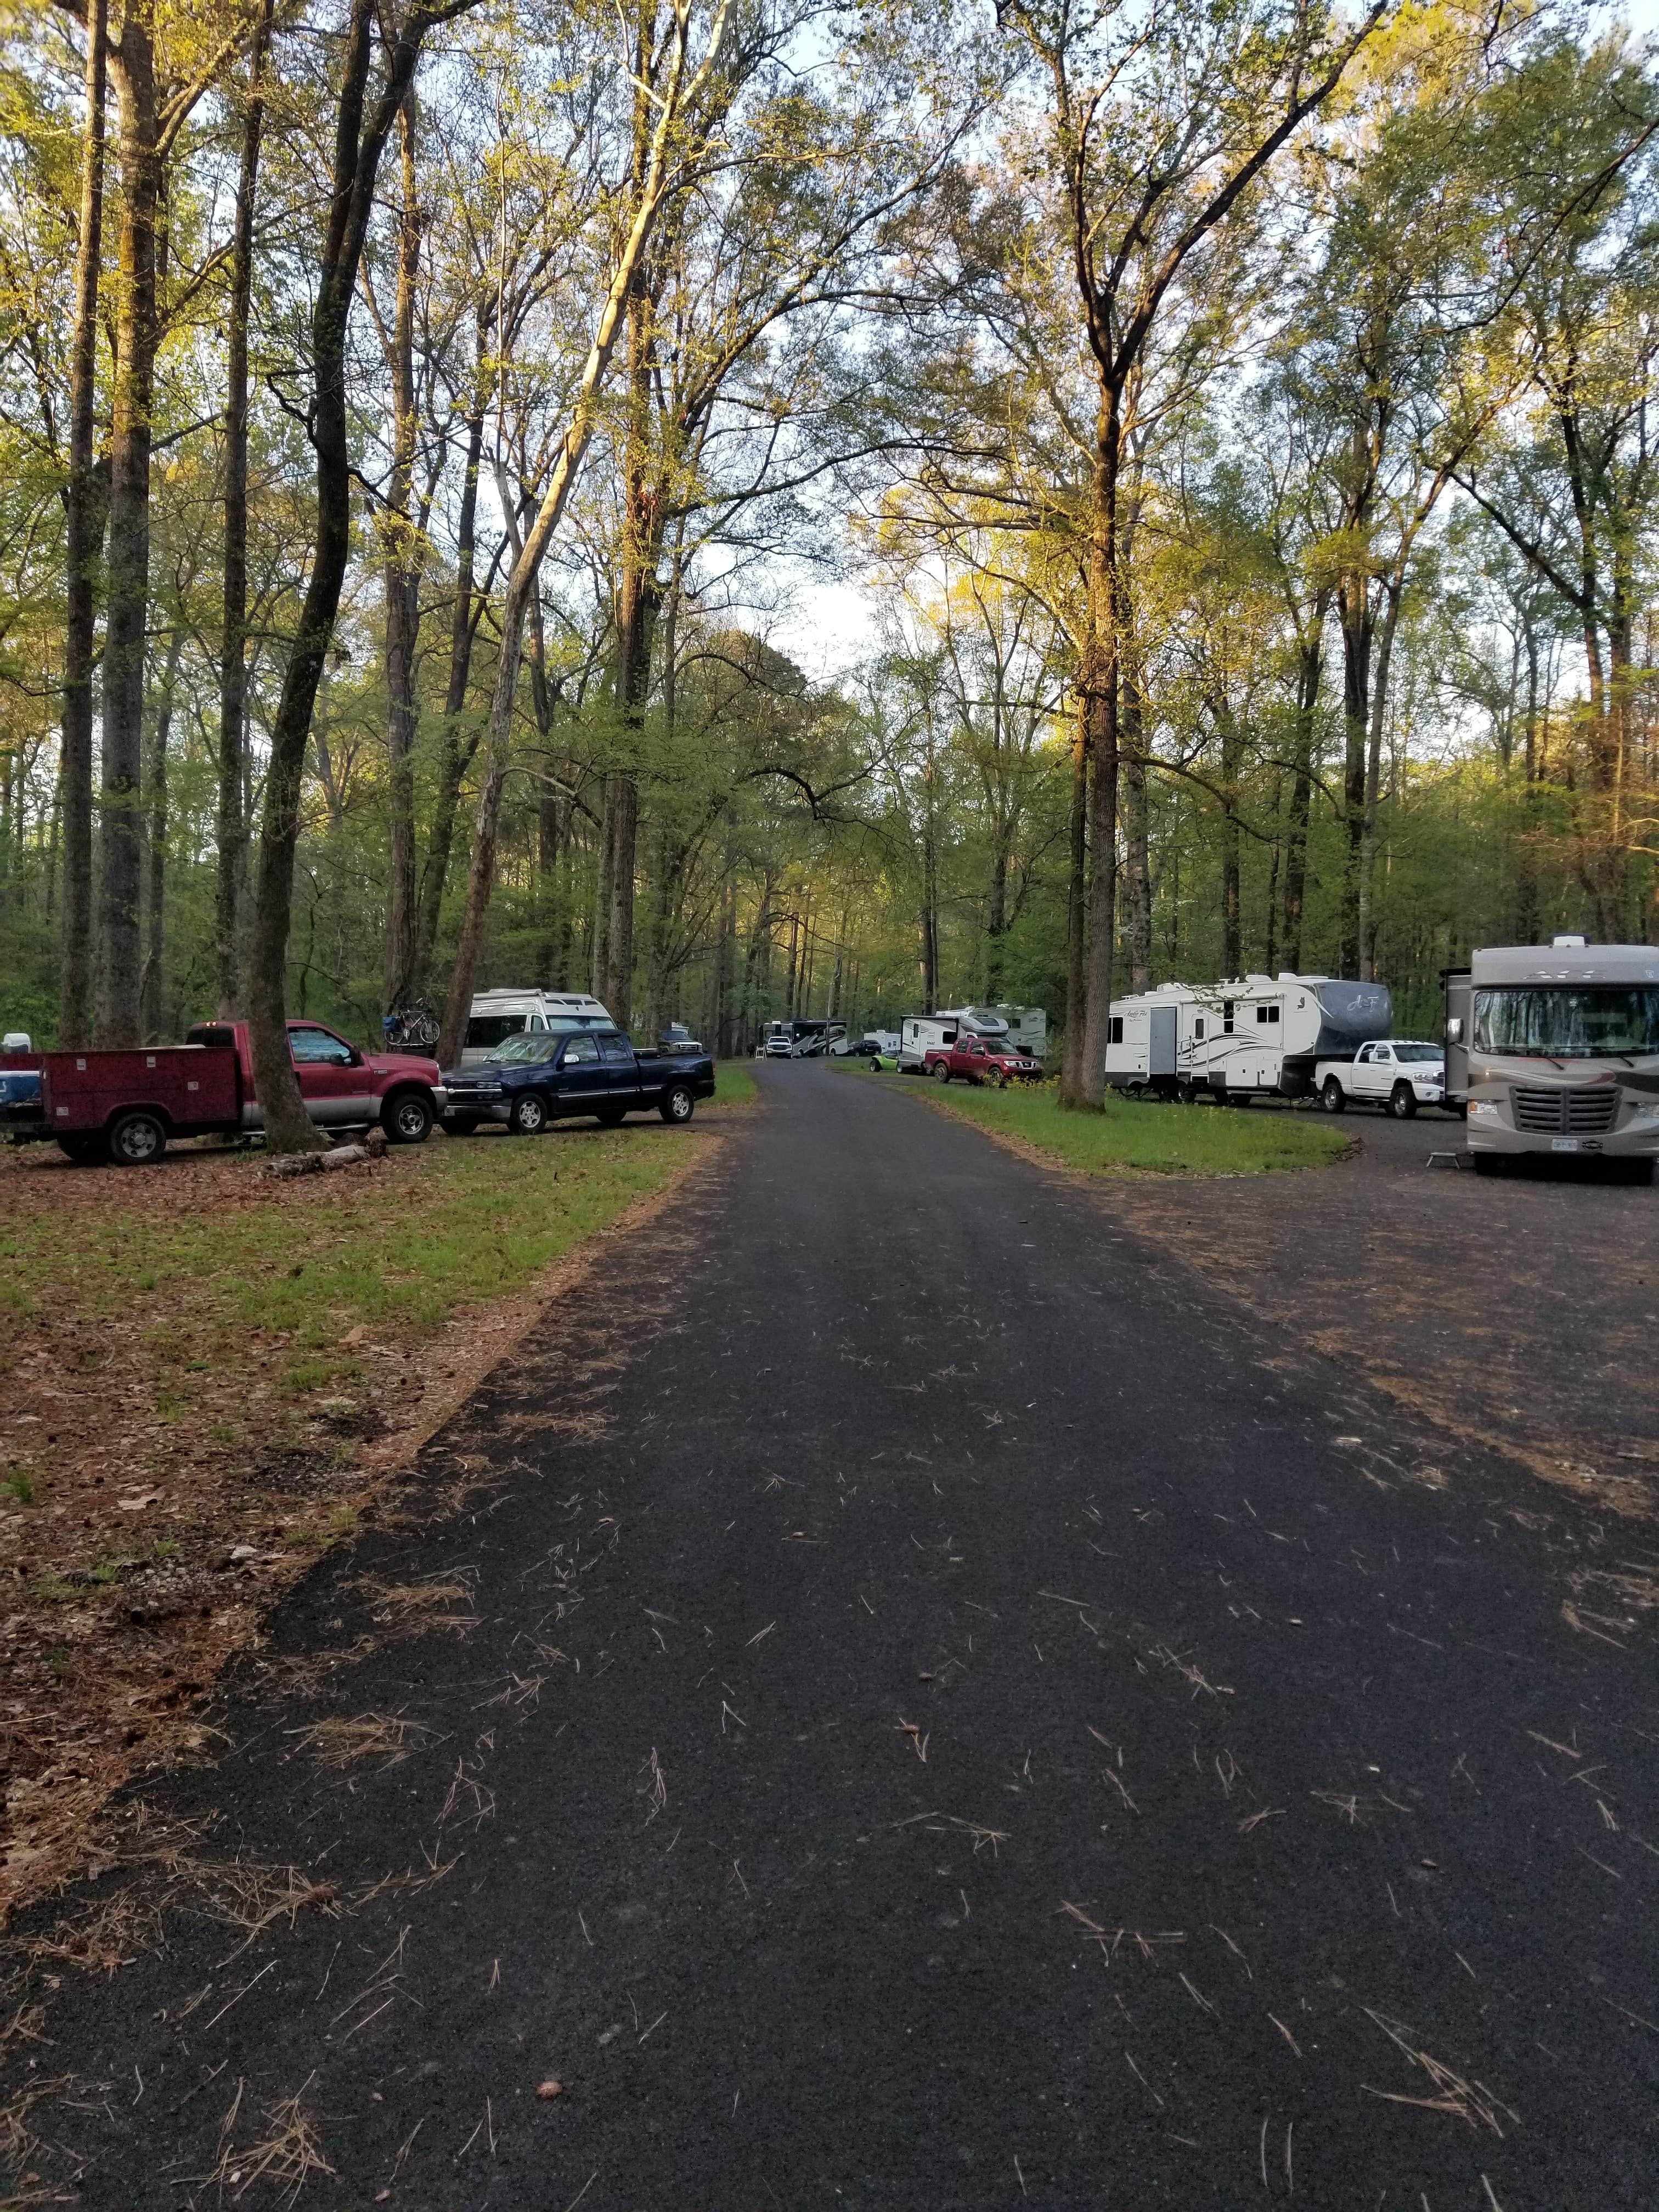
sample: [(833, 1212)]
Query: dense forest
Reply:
[(425, 426)]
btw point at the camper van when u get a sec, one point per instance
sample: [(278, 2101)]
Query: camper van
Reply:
[(1555, 1048), (920, 1033), (1258, 1034), (497, 1015)]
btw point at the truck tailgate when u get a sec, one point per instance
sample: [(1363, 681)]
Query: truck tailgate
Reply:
[(189, 1086)]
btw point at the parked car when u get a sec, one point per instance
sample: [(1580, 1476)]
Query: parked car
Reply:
[(125, 1106), (533, 1080), (980, 1060), (1398, 1073)]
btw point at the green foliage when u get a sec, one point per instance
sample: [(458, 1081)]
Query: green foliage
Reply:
[(1135, 1136)]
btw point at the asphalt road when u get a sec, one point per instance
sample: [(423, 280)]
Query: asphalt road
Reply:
[(918, 1708)]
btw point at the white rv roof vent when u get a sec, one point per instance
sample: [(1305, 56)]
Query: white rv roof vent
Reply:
[(1568, 944)]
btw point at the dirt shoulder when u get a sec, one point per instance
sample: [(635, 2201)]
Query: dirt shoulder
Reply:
[(205, 1372), (1520, 1313)]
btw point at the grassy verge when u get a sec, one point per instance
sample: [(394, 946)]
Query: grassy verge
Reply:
[(1153, 1139), (734, 1085), (202, 1367)]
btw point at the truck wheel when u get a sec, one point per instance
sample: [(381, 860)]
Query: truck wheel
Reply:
[(86, 1152), (996, 1078), (941, 1071), (136, 1139), (677, 1103), (528, 1116), (407, 1117), (611, 1117), (462, 1125), (1402, 1102), (1332, 1096)]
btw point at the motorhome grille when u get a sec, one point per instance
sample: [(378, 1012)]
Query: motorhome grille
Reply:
[(1578, 1113)]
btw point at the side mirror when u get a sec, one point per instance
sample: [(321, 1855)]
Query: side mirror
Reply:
[(1455, 1029)]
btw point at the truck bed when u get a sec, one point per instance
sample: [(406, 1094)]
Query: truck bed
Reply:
[(192, 1088)]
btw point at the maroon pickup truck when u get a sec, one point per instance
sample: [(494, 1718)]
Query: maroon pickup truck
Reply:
[(123, 1106), (981, 1060)]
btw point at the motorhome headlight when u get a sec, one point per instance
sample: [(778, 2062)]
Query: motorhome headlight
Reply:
[(1482, 1110)]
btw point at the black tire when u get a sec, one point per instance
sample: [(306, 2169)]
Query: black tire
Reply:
[(86, 1151), (1640, 1172), (677, 1104), (611, 1117), (528, 1116), (1489, 1164), (462, 1125), (941, 1071), (995, 1077), (136, 1139), (1402, 1102), (407, 1117), (1332, 1096)]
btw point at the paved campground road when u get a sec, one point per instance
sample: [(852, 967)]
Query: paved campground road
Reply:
[(921, 1706)]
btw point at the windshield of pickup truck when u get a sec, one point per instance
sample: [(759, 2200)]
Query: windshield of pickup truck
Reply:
[(1553, 1021), (519, 1051), (1415, 1052)]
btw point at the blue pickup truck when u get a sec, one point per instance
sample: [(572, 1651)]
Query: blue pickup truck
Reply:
[(530, 1081)]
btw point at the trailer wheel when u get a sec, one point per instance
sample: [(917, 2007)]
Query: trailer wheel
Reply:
[(1332, 1096), (528, 1116), (136, 1139), (407, 1117), (86, 1152), (1402, 1102), (941, 1071), (677, 1104)]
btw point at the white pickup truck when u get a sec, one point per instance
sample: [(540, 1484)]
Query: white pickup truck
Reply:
[(1400, 1074)]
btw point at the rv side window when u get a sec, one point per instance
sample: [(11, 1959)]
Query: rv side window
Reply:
[(1114, 1035), (1226, 1016), (1198, 1030), (1268, 1013)]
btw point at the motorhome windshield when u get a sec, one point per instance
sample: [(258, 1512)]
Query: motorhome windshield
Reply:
[(1554, 1021)]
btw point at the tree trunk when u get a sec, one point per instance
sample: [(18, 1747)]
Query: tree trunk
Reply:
[(232, 840), (1354, 613), (457, 754), (1077, 921), (1311, 664), (1101, 678), (155, 855), (359, 143), (401, 541), (1367, 914), (115, 1018), (996, 919), (1137, 839), (83, 503)]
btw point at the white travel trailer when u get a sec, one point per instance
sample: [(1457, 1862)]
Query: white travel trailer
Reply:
[(1259, 1033), (919, 1034)]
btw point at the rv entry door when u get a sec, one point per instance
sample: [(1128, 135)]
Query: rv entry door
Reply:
[(1161, 1044)]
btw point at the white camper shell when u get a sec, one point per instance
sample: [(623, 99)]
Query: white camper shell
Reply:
[(499, 1014), (1257, 1034)]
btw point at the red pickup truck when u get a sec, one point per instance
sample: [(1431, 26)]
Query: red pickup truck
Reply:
[(981, 1060), (123, 1106)]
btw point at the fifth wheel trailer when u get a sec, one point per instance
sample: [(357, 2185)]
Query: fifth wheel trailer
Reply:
[(1555, 1048), (1257, 1034)]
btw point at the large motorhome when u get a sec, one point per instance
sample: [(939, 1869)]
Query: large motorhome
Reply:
[(1258, 1034), (802, 1038), (1555, 1048)]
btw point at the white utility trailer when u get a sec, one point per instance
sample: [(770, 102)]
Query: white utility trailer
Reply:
[(1257, 1034)]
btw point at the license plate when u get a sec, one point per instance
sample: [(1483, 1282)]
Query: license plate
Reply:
[(1564, 1143)]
